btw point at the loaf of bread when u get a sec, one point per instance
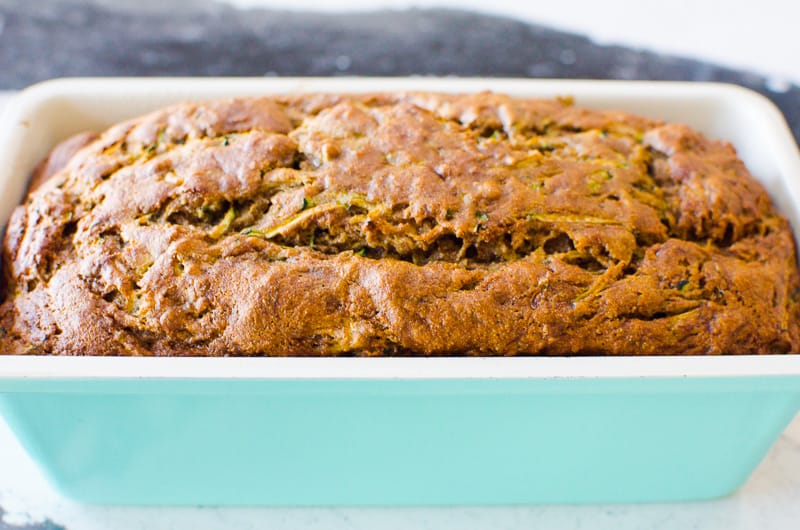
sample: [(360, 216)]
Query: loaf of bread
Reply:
[(397, 224)]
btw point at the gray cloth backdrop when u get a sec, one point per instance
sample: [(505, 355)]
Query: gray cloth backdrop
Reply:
[(40, 39)]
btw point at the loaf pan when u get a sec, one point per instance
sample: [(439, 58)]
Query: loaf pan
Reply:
[(398, 431)]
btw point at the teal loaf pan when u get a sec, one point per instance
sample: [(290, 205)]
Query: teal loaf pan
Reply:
[(407, 440), (393, 431)]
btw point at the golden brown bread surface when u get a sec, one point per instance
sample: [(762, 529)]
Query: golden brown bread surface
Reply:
[(397, 224)]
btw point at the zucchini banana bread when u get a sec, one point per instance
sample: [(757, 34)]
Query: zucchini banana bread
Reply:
[(397, 224)]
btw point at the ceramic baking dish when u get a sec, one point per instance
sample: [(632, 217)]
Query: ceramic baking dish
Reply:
[(380, 431)]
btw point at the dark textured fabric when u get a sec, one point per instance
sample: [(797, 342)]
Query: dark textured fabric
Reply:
[(47, 524), (51, 38)]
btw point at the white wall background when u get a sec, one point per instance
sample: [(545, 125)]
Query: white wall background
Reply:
[(760, 35)]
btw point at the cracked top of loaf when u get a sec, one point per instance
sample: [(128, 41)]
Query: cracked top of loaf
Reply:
[(397, 224)]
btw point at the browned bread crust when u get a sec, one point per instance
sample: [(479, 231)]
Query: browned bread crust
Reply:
[(398, 224)]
